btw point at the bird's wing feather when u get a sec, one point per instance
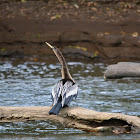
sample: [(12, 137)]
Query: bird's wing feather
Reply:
[(68, 100), (56, 91), (67, 91), (71, 91)]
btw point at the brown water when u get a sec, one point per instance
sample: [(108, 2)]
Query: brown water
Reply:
[(29, 83)]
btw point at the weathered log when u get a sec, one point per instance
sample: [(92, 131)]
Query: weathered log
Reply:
[(76, 117), (122, 69)]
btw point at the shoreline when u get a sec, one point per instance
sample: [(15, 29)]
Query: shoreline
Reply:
[(100, 31)]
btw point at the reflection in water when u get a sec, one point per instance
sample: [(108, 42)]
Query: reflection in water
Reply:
[(27, 83)]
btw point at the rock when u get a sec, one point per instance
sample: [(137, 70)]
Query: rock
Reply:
[(122, 69), (77, 51)]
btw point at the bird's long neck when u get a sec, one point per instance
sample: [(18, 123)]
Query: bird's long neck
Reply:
[(64, 70)]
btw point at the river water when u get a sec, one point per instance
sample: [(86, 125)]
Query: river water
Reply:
[(29, 83)]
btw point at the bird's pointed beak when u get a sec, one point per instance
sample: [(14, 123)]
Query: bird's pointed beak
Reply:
[(49, 45)]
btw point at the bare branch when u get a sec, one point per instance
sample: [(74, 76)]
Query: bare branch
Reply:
[(76, 117)]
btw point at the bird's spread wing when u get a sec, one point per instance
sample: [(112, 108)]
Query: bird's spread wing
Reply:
[(67, 91)]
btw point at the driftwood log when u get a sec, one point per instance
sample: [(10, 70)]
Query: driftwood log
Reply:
[(122, 69), (76, 117)]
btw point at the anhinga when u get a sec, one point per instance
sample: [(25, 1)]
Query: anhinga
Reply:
[(63, 91)]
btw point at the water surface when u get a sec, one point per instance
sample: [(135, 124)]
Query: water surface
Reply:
[(29, 83)]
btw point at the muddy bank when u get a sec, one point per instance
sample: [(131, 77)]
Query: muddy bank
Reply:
[(102, 30)]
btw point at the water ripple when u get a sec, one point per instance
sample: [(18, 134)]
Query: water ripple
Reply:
[(30, 84)]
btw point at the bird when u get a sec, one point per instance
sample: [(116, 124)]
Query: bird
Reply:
[(65, 89)]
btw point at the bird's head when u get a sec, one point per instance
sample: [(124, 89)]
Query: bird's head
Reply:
[(52, 47), (56, 51)]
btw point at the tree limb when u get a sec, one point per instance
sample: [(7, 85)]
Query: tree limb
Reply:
[(76, 117)]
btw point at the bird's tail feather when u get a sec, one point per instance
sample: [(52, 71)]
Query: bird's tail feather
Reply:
[(56, 108)]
